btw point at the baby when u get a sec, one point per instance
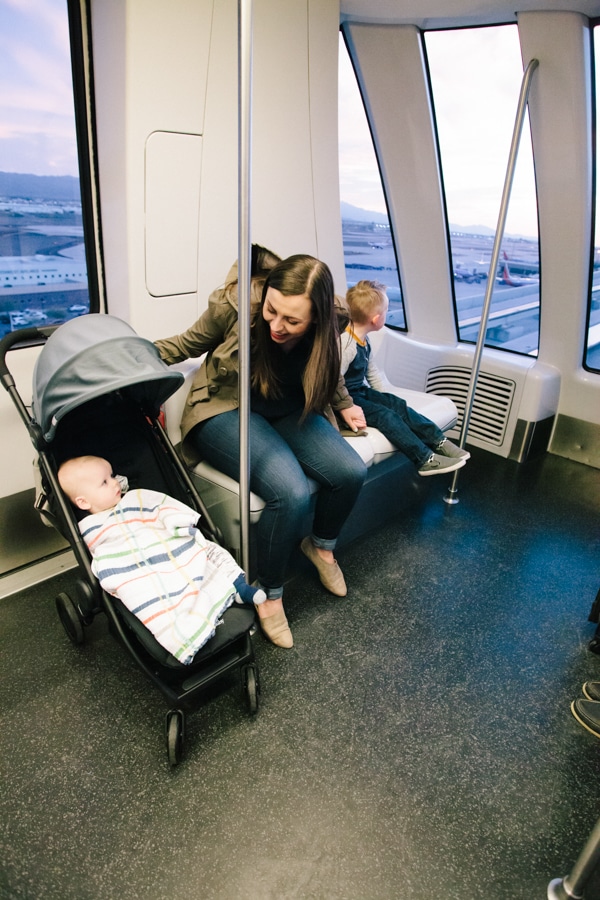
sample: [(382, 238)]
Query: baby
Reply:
[(147, 551)]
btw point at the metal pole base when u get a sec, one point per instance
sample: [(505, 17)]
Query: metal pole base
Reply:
[(451, 497), (558, 891)]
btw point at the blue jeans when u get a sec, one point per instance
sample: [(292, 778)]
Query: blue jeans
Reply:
[(414, 434), (284, 453)]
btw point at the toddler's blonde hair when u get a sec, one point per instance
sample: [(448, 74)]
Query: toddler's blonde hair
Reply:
[(365, 299)]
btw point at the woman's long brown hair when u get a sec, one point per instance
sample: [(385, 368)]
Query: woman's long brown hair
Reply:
[(262, 260), (294, 276)]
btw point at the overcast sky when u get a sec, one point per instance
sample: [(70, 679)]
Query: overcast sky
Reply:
[(475, 119), (475, 115), (37, 130)]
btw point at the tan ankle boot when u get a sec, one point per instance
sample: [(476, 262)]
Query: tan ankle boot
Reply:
[(277, 630)]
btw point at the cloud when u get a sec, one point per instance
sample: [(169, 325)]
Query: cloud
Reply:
[(36, 91), (475, 121)]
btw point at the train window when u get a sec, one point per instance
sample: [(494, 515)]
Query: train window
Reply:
[(43, 265), (592, 353), (476, 76), (369, 250)]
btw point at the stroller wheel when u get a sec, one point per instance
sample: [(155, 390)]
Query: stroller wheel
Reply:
[(70, 618), (252, 688), (85, 605), (175, 736)]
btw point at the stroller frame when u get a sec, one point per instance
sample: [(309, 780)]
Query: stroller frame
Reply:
[(231, 648)]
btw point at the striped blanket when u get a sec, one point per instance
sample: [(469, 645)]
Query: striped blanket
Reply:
[(147, 552)]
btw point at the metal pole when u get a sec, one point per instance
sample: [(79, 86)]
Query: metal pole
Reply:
[(244, 263), (574, 884), (510, 171)]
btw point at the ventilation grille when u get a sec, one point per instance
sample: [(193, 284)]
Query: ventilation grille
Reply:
[(491, 407)]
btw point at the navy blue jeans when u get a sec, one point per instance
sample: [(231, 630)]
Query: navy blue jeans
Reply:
[(414, 434), (284, 453)]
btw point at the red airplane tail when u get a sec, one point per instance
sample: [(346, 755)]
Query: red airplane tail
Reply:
[(505, 271)]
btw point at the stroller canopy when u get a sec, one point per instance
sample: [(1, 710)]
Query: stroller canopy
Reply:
[(93, 355)]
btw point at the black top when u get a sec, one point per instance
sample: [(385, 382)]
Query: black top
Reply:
[(289, 366)]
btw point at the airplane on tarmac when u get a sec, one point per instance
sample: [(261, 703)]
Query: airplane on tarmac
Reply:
[(470, 276), (514, 280)]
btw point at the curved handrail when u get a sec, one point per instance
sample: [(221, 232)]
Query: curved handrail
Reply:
[(22, 336), (510, 171), (31, 335)]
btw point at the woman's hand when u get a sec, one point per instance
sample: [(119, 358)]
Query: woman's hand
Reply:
[(353, 417)]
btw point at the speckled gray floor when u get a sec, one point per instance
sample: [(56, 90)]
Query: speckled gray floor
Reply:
[(417, 741)]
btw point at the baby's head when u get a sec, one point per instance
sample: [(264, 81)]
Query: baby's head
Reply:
[(367, 303), (89, 483)]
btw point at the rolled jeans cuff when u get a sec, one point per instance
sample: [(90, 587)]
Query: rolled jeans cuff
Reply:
[(323, 543), (273, 593)]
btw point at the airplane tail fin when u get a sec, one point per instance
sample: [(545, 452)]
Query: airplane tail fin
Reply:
[(505, 271)]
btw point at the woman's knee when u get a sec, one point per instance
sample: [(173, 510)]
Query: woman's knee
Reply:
[(359, 474), (353, 461), (291, 497), (340, 468), (352, 471)]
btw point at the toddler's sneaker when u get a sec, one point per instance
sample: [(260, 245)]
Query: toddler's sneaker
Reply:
[(447, 448), (439, 465)]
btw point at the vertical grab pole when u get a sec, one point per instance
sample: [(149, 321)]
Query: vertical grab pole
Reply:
[(510, 171), (574, 884), (244, 263)]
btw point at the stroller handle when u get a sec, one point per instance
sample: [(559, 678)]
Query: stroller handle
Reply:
[(24, 336), (27, 337)]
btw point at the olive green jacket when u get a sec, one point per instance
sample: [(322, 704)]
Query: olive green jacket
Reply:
[(215, 387)]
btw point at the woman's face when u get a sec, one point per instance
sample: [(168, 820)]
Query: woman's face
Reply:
[(288, 318)]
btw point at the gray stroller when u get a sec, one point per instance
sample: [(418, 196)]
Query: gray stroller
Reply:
[(98, 389)]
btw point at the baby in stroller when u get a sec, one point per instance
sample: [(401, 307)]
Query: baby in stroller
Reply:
[(147, 551)]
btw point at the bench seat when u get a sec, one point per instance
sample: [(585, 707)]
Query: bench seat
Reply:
[(392, 481)]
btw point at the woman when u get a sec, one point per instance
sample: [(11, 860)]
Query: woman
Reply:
[(295, 375)]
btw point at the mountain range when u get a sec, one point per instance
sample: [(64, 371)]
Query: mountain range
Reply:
[(16, 185), (357, 214)]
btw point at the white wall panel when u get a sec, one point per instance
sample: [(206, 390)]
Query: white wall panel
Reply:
[(174, 68), (560, 111), (151, 63), (172, 203)]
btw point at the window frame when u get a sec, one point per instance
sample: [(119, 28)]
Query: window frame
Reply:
[(462, 340), (80, 42), (403, 329), (80, 39), (594, 24)]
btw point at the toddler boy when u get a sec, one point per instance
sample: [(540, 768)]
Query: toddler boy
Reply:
[(417, 436)]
